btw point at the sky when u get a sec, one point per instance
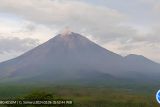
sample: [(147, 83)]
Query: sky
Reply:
[(122, 26)]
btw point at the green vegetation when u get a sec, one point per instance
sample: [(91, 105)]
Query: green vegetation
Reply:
[(82, 96)]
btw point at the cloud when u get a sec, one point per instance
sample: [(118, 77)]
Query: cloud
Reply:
[(10, 44), (54, 11), (82, 17)]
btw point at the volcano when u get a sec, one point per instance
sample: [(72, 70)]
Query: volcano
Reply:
[(72, 58)]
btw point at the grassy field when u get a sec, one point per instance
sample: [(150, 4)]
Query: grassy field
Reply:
[(84, 96)]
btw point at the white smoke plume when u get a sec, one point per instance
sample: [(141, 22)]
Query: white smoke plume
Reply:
[(66, 31)]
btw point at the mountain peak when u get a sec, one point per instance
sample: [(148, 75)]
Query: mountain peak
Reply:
[(65, 32), (134, 55), (138, 58), (72, 37)]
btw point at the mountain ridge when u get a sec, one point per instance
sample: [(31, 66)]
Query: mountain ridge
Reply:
[(72, 57)]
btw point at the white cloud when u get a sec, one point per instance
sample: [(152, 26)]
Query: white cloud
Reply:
[(9, 44), (11, 47), (50, 12)]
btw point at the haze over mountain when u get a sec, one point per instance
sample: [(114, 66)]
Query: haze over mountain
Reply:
[(71, 57)]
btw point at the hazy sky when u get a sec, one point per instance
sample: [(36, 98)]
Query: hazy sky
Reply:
[(122, 26)]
